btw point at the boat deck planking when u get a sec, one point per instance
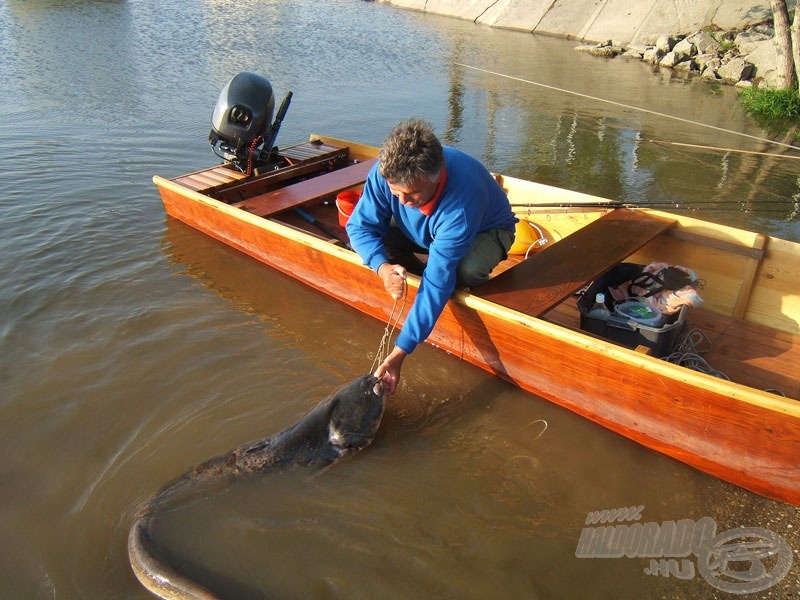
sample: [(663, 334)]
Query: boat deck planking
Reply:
[(205, 179)]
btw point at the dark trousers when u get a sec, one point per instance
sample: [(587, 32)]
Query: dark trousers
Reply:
[(488, 248)]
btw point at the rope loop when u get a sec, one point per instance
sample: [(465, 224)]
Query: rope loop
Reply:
[(388, 332)]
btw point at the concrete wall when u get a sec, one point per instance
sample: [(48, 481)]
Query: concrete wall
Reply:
[(624, 21)]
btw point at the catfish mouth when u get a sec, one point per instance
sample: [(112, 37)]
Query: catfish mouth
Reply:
[(348, 442), (359, 436)]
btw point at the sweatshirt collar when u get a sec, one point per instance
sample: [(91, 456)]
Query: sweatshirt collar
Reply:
[(428, 208)]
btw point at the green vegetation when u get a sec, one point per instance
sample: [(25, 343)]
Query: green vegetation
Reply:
[(772, 104)]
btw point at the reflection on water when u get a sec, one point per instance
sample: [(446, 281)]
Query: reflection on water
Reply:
[(132, 347)]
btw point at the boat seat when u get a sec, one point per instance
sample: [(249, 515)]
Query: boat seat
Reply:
[(310, 190), (539, 283)]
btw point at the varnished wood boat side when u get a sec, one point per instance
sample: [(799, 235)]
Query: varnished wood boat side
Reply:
[(738, 434)]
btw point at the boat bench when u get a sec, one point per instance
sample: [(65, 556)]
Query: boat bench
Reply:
[(539, 283), (305, 192)]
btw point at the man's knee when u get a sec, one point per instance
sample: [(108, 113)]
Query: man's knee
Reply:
[(471, 278), (488, 249)]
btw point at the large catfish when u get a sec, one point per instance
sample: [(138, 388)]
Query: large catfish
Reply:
[(341, 424)]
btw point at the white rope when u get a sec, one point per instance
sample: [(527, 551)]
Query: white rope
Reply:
[(687, 352), (690, 346), (388, 332), (628, 106)]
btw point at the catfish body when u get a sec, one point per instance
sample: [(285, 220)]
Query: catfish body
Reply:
[(343, 423)]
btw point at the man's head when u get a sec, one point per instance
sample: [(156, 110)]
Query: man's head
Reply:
[(411, 161)]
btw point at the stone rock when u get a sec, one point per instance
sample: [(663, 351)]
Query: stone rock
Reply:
[(707, 61), (705, 43), (746, 40), (653, 55), (684, 49), (635, 51), (735, 70), (665, 43), (671, 59), (766, 29), (725, 36), (730, 56), (730, 15), (602, 51), (764, 57)]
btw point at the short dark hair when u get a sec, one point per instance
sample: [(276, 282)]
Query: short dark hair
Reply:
[(411, 152)]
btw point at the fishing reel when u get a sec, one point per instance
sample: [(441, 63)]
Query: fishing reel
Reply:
[(241, 132)]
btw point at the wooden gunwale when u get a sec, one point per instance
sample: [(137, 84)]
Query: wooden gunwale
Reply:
[(741, 435)]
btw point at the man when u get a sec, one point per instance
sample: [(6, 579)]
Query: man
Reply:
[(425, 198)]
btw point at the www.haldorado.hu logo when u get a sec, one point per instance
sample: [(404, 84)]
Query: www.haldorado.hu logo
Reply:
[(740, 561)]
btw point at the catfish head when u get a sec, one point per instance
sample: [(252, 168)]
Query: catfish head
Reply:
[(356, 413)]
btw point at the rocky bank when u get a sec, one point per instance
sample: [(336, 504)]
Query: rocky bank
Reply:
[(737, 57), (727, 40)]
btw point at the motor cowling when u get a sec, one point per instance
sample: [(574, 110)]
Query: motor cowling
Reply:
[(240, 124)]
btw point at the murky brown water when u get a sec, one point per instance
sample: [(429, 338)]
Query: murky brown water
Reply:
[(132, 347)]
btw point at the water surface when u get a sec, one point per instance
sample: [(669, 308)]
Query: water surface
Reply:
[(132, 347)]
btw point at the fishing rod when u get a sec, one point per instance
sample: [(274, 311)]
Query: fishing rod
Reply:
[(655, 205)]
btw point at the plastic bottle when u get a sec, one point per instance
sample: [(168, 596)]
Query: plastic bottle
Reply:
[(599, 309)]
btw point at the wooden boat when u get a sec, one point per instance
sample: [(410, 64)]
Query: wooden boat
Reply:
[(524, 324)]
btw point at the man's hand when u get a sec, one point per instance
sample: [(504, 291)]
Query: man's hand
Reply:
[(394, 279), (389, 369)]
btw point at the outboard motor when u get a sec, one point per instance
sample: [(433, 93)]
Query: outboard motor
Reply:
[(241, 132)]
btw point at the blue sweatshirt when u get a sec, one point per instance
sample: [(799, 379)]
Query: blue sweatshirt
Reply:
[(471, 202)]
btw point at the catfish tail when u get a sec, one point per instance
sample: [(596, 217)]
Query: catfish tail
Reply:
[(152, 571), (155, 574)]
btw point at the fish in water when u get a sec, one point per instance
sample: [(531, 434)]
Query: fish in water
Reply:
[(343, 423)]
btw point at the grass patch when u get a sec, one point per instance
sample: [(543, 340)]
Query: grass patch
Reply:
[(772, 104)]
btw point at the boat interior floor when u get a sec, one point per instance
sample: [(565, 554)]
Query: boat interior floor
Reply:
[(755, 355)]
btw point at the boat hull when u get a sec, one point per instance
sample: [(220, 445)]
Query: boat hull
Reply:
[(741, 435)]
